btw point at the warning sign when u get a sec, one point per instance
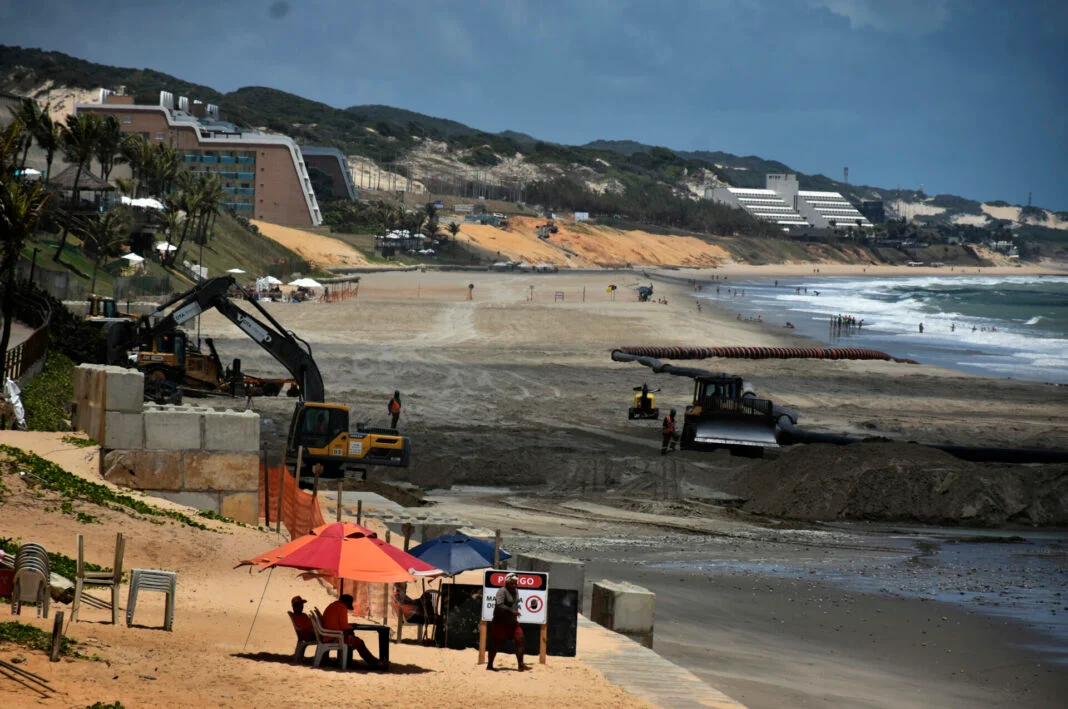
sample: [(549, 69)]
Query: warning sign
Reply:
[(532, 588)]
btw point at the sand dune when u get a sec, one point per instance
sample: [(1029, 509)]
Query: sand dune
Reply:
[(323, 251), (584, 246)]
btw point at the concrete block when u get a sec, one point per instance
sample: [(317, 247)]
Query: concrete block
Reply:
[(196, 500), (123, 431), (125, 390), (241, 506), (81, 381), (91, 420), (144, 470), (173, 428), (221, 471), (624, 608), (564, 572), (96, 385), (232, 431)]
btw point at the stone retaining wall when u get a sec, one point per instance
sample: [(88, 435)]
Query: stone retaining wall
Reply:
[(205, 458)]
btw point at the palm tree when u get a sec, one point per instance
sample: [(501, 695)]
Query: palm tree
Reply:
[(109, 146), (29, 115), (49, 136), (102, 234), (453, 229), (78, 142), (137, 152), (162, 168), (21, 206)]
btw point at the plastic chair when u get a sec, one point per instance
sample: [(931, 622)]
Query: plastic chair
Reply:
[(110, 579), (30, 585), (152, 580), (329, 640), (419, 612), (302, 644)]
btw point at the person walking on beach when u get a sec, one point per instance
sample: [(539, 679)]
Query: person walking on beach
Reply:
[(395, 408), (668, 431), (505, 623)]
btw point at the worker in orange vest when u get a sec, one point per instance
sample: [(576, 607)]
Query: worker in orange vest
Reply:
[(669, 433), (395, 408)]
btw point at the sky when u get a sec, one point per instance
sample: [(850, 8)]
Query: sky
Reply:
[(965, 97)]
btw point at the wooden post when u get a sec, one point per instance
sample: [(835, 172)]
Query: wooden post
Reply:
[(317, 468), (57, 636), (481, 642), (385, 610), (544, 642), (340, 487), (266, 486), (359, 512), (497, 549), (407, 528)]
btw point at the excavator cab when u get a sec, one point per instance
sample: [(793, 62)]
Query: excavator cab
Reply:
[(727, 414), (323, 431)]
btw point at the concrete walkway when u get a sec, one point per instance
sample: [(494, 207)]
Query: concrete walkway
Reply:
[(643, 673), (19, 333)]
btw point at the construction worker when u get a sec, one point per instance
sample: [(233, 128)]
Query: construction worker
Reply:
[(670, 439), (395, 408)]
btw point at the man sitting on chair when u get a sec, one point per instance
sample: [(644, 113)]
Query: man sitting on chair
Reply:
[(301, 622), (336, 617)]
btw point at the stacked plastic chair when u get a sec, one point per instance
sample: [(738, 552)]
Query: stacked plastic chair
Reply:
[(152, 580), (33, 573)]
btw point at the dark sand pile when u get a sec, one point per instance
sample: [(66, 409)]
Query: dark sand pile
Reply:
[(892, 481)]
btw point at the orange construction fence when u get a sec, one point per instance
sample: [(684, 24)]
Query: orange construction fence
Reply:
[(300, 509)]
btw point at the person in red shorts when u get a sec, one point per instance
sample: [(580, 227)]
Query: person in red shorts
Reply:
[(336, 617), (505, 623)]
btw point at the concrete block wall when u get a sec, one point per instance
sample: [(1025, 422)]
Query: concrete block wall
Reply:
[(624, 608), (203, 457)]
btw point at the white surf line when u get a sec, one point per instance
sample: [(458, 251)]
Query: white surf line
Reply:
[(643, 673)]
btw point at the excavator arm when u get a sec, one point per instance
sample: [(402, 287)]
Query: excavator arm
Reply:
[(292, 352)]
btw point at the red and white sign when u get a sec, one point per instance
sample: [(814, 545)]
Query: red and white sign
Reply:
[(533, 590)]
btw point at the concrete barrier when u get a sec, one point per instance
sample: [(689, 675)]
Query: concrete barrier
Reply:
[(124, 431), (144, 470), (125, 390), (173, 428), (232, 431), (624, 608)]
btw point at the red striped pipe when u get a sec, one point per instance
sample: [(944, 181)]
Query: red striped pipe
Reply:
[(762, 353)]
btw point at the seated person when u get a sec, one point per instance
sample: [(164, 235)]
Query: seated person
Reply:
[(336, 617), (416, 610), (301, 622)]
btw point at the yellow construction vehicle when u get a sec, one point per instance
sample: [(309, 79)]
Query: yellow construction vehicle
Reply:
[(644, 406), (172, 356), (106, 308), (322, 430)]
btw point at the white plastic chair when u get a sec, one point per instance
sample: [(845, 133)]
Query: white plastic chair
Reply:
[(329, 640)]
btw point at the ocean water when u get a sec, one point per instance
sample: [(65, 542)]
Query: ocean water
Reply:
[(1009, 326)]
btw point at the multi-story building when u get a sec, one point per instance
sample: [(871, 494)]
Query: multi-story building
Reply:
[(874, 210), (264, 176), (782, 202), (329, 172)]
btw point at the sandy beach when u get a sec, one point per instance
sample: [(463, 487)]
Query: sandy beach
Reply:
[(512, 399)]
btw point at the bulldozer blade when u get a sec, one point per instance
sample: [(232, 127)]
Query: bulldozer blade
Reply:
[(734, 432)]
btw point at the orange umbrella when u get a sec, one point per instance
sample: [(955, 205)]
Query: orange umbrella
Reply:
[(266, 558), (347, 551)]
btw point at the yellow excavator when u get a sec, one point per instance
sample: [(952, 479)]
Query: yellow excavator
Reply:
[(321, 429)]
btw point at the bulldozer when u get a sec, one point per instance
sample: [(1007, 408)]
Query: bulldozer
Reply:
[(171, 356), (726, 413), (644, 406)]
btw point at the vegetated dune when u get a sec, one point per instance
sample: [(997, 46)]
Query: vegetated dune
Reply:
[(324, 251), (585, 245), (904, 482)]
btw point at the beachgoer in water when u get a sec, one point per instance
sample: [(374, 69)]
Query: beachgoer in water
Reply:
[(921, 328)]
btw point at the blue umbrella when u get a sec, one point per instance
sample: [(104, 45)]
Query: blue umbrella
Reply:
[(453, 553)]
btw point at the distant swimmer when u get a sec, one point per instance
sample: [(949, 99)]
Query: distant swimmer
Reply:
[(789, 325), (953, 327), (921, 328)]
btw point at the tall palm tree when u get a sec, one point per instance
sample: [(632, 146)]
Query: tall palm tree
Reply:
[(78, 142), (163, 164), (21, 206), (453, 229), (108, 146), (102, 234), (29, 115), (137, 152), (49, 138)]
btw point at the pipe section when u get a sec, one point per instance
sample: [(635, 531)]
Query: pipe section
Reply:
[(761, 353)]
